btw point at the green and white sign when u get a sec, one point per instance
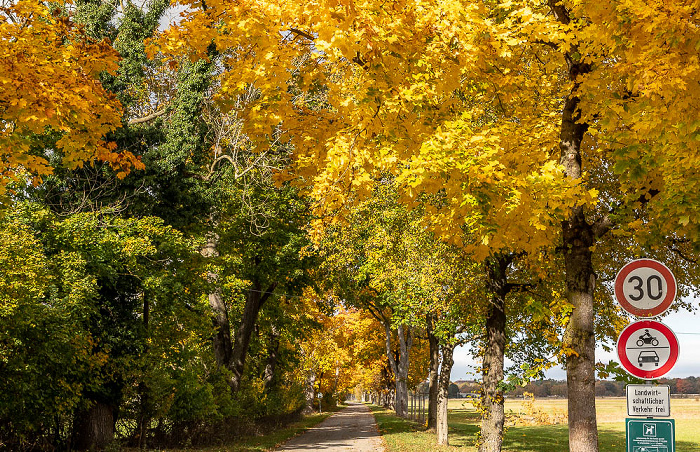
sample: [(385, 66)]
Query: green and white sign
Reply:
[(650, 435)]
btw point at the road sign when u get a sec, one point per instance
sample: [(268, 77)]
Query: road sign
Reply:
[(648, 400), (645, 287), (650, 435), (647, 349)]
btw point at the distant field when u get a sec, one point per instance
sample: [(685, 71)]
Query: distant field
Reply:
[(532, 427)]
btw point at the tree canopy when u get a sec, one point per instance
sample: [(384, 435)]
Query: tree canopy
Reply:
[(266, 200)]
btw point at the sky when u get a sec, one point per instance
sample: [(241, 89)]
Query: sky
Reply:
[(686, 326)]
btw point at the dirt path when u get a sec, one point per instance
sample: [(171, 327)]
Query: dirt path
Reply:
[(350, 429)]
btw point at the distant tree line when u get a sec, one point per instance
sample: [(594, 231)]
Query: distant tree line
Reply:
[(603, 388)]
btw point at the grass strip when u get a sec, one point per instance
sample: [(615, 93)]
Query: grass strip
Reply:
[(402, 435), (260, 443), (274, 439)]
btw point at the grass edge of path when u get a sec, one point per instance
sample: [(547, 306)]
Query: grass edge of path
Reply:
[(404, 435), (276, 438), (266, 442)]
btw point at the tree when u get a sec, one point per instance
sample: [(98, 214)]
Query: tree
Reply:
[(382, 261), (530, 92), (53, 65), (179, 184), (98, 278), (592, 54), (366, 261)]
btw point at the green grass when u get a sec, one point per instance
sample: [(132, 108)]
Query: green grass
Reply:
[(261, 443), (273, 439), (403, 435)]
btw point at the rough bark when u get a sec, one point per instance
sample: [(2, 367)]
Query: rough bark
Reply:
[(269, 376), (222, 327), (443, 387), (94, 428), (405, 344), (578, 240), (400, 369), (579, 339), (494, 351), (231, 352), (434, 350), (241, 340), (309, 392)]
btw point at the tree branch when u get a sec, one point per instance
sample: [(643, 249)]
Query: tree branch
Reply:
[(147, 118), (267, 293), (602, 226), (681, 254), (546, 43), (301, 33)]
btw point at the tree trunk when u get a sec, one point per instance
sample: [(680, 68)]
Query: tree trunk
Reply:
[(309, 392), (272, 358), (241, 340), (405, 344), (493, 360), (230, 353), (144, 418), (434, 350), (579, 338), (400, 369), (443, 387), (222, 335), (578, 239), (94, 427)]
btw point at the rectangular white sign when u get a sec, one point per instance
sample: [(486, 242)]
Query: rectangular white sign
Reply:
[(648, 400)]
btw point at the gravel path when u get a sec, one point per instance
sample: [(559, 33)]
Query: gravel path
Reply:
[(350, 429)]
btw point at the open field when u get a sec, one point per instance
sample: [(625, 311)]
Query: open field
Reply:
[(529, 428)]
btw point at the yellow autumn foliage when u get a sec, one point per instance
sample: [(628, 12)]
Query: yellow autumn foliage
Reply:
[(464, 99), (48, 82)]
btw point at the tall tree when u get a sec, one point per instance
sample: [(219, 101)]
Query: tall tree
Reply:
[(262, 228), (534, 91), (49, 81), (98, 269)]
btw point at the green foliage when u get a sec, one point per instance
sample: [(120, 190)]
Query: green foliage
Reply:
[(73, 312), (42, 353), (108, 299), (613, 370)]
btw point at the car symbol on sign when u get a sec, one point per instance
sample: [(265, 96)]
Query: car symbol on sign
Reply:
[(648, 356)]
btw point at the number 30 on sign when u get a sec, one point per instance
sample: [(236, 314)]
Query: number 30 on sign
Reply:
[(645, 287)]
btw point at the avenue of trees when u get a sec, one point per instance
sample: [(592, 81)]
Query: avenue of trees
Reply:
[(221, 221)]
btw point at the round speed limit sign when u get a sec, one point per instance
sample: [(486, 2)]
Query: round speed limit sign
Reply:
[(645, 287)]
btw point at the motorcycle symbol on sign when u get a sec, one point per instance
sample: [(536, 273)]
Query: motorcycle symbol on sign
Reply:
[(647, 338)]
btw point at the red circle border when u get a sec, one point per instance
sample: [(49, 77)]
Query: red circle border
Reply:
[(652, 374), (656, 265)]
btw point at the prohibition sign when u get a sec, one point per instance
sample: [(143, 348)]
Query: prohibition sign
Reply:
[(647, 349), (645, 287)]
